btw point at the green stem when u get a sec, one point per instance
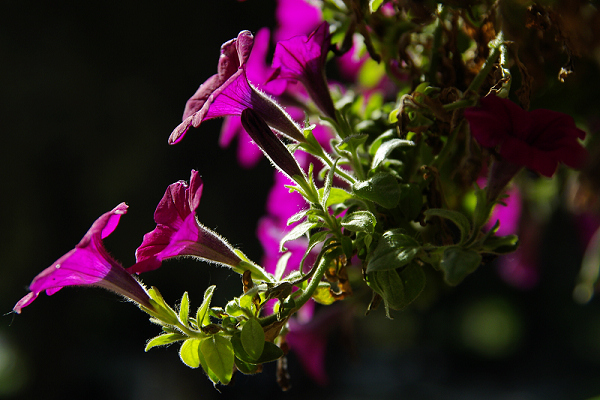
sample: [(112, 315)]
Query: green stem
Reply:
[(314, 283), (495, 45), (464, 103), (317, 273), (448, 147), (437, 42)]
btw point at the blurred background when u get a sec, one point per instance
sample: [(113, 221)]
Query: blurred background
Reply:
[(89, 93)]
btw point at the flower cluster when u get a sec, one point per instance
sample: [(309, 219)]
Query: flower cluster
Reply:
[(373, 174)]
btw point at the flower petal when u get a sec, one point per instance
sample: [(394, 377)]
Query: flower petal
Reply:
[(89, 264)]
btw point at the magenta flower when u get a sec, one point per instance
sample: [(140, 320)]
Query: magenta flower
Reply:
[(296, 17), (258, 72), (229, 93), (303, 59), (89, 264), (178, 233), (538, 139)]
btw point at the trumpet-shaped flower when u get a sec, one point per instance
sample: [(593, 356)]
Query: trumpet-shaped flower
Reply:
[(178, 232), (258, 73), (538, 139), (229, 93), (302, 59), (89, 264), (270, 144)]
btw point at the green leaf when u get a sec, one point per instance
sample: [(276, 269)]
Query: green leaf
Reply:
[(282, 265), (386, 148), (233, 308), (411, 200), (501, 244), (164, 310), (394, 250), (298, 231), (483, 208), (189, 353), (398, 288), (327, 187), (322, 294), (347, 246), (352, 141), (360, 221), (253, 338), (457, 263), (164, 339), (245, 367), (389, 134), (336, 196), (297, 217), (458, 218), (218, 353), (202, 317), (382, 188), (414, 279), (271, 351), (371, 73), (191, 356), (184, 309)]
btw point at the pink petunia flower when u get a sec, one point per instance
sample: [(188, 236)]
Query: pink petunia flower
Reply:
[(296, 17), (229, 93), (302, 59), (178, 232), (539, 139), (89, 264)]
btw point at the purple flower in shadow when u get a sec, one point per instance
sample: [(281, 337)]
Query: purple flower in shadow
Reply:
[(302, 59), (308, 339), (178, 232), (229, 93), (538, 139), (89, 264)]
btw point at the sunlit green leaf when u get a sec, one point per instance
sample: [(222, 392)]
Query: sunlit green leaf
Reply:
[(324, 195), (164, 339), (322, 294), (218, 353), (374, 4), (386, 148), (382, 188), (253, 338), (202, 317), (336, 196), (184, 308), (385, 136), (360, 221), (298, 231), (189, 353), (245, 367)]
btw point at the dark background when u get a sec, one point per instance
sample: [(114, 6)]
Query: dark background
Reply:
[(89, 93)]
